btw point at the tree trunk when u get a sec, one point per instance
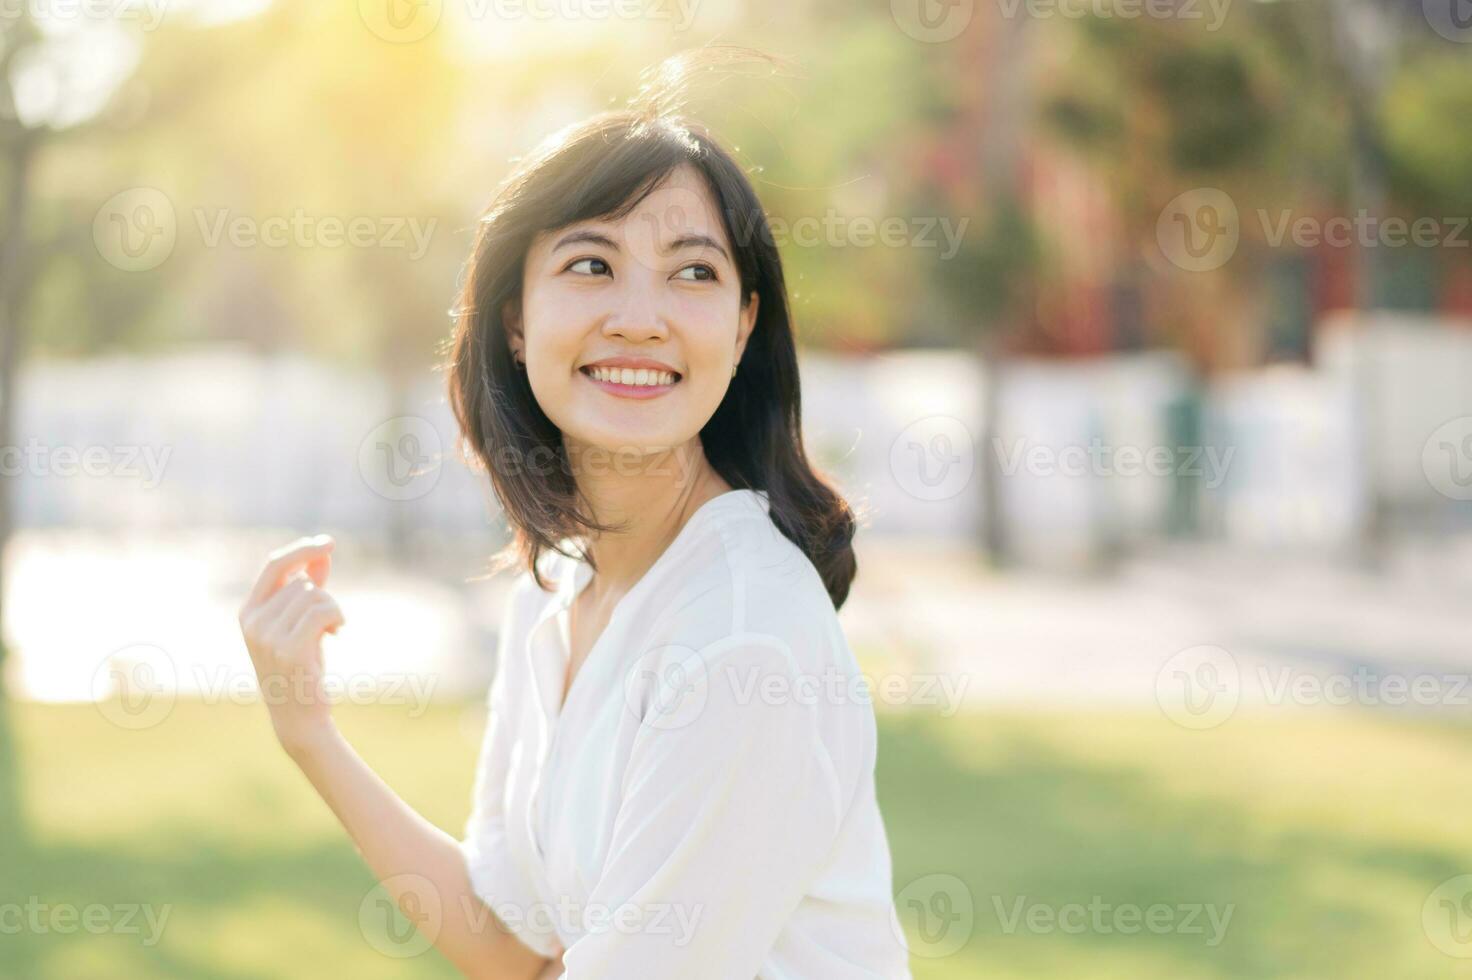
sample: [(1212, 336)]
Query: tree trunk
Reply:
[(1366, 35), (993, 541), (998, 130), (12, 245)]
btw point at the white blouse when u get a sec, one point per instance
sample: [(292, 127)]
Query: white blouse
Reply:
[(703, 804)]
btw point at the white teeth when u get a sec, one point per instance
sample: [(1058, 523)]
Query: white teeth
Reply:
[(632, 376)]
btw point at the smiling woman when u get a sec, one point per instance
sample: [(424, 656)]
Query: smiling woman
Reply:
[(653, 798), (634, 239), (625, 316)]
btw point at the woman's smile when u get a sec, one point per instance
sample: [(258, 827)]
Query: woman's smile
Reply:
[(632, 380)]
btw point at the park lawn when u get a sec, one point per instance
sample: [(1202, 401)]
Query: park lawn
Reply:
[(1322, 833)]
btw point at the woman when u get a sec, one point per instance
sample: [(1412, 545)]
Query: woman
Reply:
[(677, 778)]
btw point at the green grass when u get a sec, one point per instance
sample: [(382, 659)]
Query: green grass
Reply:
[(1324, 833)]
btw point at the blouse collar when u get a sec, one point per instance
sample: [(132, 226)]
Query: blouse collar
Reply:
[(573, 572)]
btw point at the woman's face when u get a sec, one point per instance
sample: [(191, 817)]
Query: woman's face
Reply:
[(629, 329)]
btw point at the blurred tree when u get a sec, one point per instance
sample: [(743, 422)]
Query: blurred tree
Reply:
[(1160, 108), (990, 285), (1428, 162), (301, 108), (36, 245), (18, 142)]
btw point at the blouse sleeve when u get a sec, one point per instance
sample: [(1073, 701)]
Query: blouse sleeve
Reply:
[(730, 804), (494, 875)]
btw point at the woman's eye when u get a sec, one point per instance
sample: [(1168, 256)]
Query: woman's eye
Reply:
[(599, 264), (710, 273)]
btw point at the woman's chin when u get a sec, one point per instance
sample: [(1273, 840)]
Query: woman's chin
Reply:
[(628, 442)]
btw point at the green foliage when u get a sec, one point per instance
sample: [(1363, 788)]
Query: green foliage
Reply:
[(303, 109), (989, 275), (1429, 160), (1215, 118)]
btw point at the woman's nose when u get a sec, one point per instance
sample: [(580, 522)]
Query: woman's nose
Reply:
[(638, 319)]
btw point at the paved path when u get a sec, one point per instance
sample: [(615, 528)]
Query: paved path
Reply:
[(1170, 628), (1318, 624)]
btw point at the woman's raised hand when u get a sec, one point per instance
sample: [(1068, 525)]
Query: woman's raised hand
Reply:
[(283, 621)]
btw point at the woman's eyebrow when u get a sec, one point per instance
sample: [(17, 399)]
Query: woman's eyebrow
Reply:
[(684, 241), (573, 237), (700, 241)]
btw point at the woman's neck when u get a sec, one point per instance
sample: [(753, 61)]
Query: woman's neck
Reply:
[(655, 496)]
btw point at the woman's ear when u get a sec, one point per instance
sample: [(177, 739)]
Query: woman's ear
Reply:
[(511, 323), (746, 323)]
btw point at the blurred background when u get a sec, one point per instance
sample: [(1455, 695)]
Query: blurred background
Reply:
[(1140, 331)]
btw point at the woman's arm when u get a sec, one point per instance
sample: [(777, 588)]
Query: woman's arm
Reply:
[(418, 864)]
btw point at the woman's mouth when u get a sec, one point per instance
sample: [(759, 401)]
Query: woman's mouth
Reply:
[(631, 382)]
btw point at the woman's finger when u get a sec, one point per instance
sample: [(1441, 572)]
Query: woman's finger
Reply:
[(301, 602), (318, 619), (312, 554), (262, 625), (315, 598), (269, 612)]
